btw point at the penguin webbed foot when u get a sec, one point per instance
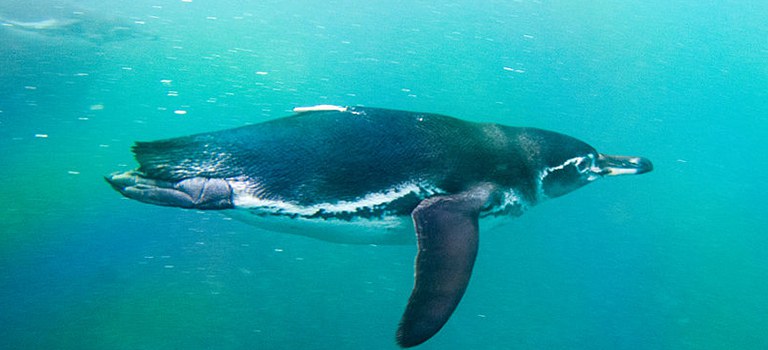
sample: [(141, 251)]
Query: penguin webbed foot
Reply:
[(196, 192)]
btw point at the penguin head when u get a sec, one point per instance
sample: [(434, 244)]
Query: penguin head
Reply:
[(569, 164), (568, 174)]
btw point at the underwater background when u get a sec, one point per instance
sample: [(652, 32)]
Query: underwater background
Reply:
[(675, 259)]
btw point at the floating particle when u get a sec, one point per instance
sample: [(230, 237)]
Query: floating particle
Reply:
[(510, 69)]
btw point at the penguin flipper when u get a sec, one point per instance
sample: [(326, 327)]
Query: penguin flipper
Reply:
[(447, 233)]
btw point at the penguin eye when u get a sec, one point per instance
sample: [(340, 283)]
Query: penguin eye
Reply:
[(585, 164)]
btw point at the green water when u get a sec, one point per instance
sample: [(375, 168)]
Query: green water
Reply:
[(675, 259)]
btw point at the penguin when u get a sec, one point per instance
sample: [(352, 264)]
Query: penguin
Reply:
[(372, 175)]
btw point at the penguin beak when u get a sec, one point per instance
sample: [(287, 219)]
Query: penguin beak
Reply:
[(623, 165)]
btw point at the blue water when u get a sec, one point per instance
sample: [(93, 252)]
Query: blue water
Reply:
[(675, 259)]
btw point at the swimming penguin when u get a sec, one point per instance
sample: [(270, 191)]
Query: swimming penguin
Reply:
[(370, 175)]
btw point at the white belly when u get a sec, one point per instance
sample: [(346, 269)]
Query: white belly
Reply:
[(390, 230)]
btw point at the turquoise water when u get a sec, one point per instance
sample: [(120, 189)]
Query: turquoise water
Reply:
[(675, 259)]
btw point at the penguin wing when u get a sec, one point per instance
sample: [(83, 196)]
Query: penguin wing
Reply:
[(447, 233)]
